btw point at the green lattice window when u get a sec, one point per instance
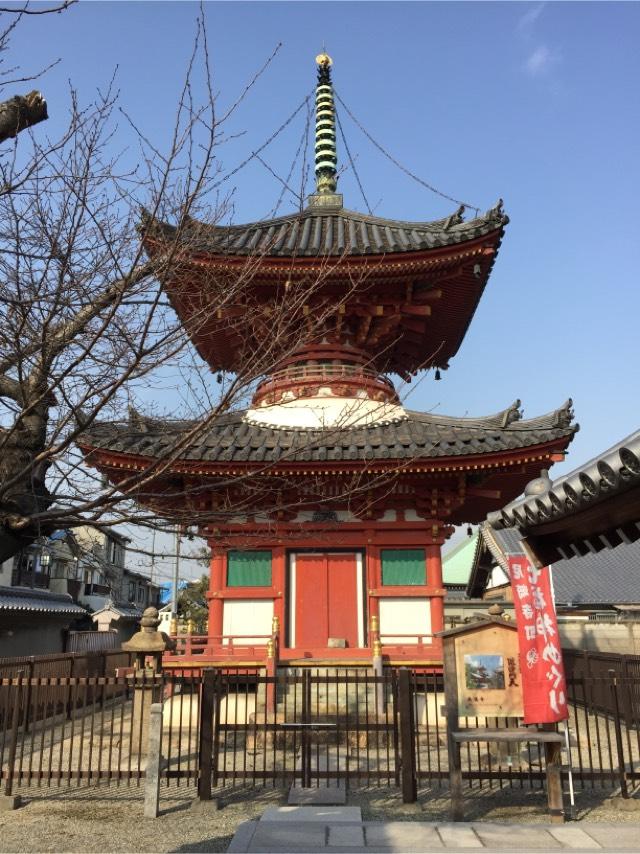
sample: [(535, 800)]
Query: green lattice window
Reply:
[(249, 569), (403, 566)]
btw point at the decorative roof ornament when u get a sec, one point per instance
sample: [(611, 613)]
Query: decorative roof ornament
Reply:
[(326, 156)]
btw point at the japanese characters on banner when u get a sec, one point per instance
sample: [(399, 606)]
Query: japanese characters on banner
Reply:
[(543, 683)]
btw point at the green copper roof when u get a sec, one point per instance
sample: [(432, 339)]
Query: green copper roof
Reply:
[(456, 564)]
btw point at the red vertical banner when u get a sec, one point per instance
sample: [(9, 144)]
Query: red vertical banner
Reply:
[(543, 682)]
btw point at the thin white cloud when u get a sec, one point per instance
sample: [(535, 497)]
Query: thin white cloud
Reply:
[(541, 61), (526, 22)]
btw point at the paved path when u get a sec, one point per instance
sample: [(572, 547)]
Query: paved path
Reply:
[(341, 829)]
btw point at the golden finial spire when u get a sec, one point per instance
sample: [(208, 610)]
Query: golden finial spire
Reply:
[(326, 156)]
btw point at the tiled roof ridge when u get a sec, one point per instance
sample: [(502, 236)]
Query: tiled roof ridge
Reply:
[(507, 419), (36, 593), (454, 220), (316, 231), (38, 600), (614, 470)]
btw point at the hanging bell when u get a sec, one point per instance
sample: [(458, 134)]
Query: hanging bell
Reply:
[(219, 379), (438, 377), (469, 531)]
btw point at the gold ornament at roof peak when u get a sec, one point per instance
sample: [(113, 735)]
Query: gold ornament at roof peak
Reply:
[(324, 59)]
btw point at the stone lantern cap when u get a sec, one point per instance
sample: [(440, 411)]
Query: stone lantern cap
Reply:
[(148, 639)]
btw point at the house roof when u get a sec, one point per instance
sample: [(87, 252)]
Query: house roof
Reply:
[(456, 564), (123, 611), (231, 438), (316, 231), (42, 601), (610, 577)]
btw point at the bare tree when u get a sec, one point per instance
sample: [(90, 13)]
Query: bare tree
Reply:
[(85, 324)]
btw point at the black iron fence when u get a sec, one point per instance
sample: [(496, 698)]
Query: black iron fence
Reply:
[(103, 662), (311, 727)]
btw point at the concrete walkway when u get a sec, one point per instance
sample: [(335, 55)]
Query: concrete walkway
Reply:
[(341, 829)]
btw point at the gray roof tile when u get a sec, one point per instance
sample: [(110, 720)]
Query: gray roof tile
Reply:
[(318, 232), (609, 577), (419, 435), (26, 599), (613, 472)]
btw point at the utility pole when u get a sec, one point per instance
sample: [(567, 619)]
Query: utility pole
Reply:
[(176, 577)]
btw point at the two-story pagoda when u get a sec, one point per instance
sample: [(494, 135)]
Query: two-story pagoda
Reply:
[(359, 493)]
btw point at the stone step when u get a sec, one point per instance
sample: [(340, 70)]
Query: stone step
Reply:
[(317, 814)]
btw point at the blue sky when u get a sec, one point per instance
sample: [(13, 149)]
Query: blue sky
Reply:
[(532, 102)]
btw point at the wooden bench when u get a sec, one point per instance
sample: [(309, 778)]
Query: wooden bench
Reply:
[(553, 760)]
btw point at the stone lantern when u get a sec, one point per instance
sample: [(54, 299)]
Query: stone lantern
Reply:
[(148, 645)]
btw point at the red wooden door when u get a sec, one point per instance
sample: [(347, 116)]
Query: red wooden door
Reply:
[(326, 599)]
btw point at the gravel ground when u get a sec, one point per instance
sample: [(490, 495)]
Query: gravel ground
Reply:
[(110, 819)]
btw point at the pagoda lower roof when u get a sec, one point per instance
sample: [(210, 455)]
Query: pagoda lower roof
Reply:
[(231, 438), (320, 232)]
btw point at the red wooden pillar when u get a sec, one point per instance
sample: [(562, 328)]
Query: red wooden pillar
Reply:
[(434, 580), (278, 580), (216, 603), (373, 577)]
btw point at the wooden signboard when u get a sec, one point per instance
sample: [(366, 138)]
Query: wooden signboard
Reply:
[(488, 672)]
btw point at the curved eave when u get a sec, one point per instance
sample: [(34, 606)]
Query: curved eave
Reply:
[(271, 267), (496, 461), (314, 233)]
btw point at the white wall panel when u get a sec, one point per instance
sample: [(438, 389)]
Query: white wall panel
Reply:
[(247, 617), (404, 615)]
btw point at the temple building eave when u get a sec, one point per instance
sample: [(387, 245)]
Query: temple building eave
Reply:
[(323, 230)]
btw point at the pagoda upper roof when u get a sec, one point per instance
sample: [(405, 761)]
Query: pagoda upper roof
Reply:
[(319, 231), (230, 438)]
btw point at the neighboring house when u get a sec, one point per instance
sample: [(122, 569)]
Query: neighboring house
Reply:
[(35, 616), (597, 595), (122, 615), (35, 621), (103, 568), (55, 583), (122, 620), (139, 590)]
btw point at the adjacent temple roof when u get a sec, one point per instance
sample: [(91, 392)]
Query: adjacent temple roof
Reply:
[(318, 231), (230, 438), (593, 507), (610, 577)]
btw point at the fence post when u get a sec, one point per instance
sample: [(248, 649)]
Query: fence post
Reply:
[(205, 747), (11, 801), (71, 675), (305, 741), (27, 702), (152, 771), (619, 746), (407, 744)]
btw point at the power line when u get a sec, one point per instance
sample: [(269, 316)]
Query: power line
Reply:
[(264, 144), (402, 168), (353, 165)]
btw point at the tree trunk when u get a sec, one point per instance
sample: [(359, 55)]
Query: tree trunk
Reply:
[(21, 112)]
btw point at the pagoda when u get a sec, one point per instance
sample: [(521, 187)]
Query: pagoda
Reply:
[(326, 502)]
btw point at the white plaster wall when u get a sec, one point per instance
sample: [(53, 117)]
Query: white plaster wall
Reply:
[(325, 411), (622, 638), (247, 617), (404, 615)]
